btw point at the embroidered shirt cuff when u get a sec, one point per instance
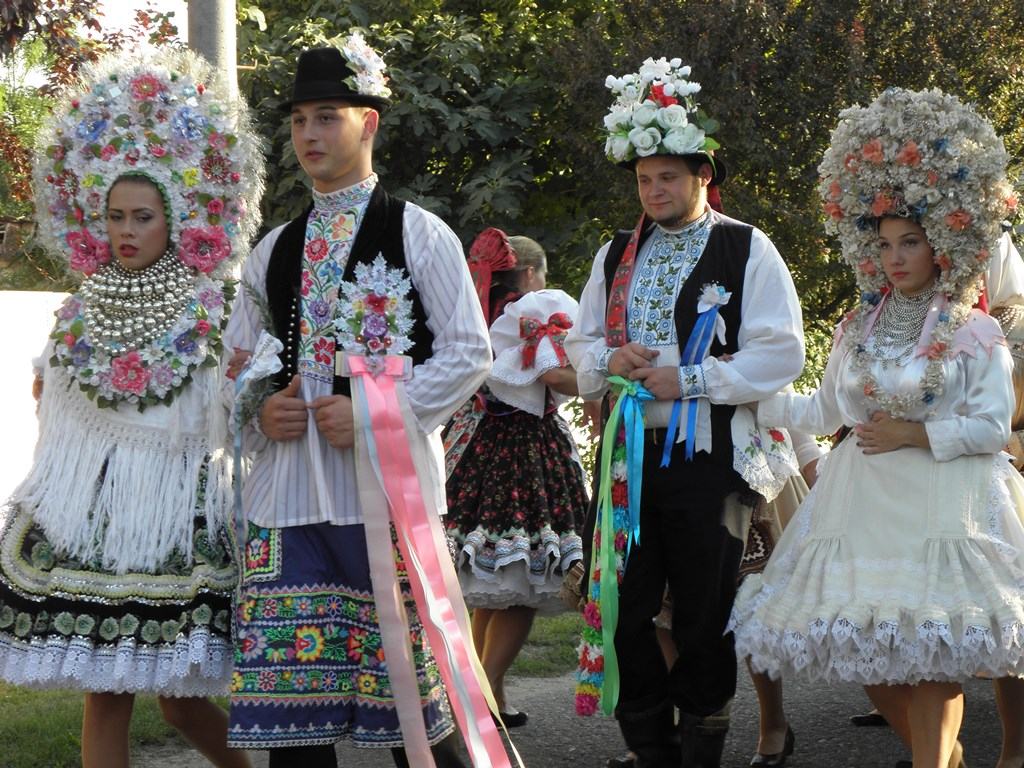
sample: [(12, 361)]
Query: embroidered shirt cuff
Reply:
[(691, 382), (602, 360)]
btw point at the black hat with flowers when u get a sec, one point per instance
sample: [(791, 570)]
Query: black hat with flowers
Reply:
[(354, 73)]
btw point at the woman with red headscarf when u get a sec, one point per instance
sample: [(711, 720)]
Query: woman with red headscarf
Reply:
[(516, 497)]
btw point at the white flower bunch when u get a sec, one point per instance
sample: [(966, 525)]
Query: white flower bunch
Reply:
[(655, 112), (370, 70)]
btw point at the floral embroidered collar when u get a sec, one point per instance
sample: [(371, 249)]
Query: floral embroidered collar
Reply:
[(155, 372), (345, 199)]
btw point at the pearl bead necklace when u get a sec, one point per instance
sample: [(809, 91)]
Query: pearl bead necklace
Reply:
[(127, 308)]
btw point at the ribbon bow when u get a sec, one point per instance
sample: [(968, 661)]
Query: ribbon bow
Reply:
[(532, 330)]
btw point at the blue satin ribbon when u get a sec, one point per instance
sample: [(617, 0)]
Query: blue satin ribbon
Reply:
[(629, 409), (696, 349)]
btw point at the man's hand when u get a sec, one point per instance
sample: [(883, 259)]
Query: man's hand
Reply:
[(883, 434), (625, 360), (333, 415), (663, 382), (283, 416)]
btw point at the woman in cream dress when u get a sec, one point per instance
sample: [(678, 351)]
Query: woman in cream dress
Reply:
[(904, 568)]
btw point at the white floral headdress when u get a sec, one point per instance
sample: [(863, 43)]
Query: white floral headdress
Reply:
[(926, 156), (164, 117), (370, 78), (655, 113)]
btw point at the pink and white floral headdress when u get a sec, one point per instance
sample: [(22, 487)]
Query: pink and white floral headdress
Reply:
[(923, 155), (165, 117)]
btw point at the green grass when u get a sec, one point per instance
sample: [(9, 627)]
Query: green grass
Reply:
[(40, 729), (551, 648)]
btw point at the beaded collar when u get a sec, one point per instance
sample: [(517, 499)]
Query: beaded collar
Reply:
[(152, 368), (931, 385)]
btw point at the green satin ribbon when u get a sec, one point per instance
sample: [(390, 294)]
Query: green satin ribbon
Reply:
[(630, 396)]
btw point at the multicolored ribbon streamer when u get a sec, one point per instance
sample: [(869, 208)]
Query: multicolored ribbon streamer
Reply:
[(696, 349), (532, 330), (617, 527), (421, 542)]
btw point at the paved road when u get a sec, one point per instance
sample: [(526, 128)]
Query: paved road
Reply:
[(557, 738)]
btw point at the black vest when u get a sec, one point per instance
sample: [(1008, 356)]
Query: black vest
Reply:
[(381, 232), (724, 261)]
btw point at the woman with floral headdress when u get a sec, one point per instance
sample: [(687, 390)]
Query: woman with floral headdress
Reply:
[(116, 559), (515, 489), (903, 570)]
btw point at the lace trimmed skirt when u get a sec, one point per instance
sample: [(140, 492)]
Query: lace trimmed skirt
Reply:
[(896, 569), (71, 624), (516, 503)]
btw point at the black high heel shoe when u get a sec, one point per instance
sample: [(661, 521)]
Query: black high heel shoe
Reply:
[(512, 719), (778, 759)]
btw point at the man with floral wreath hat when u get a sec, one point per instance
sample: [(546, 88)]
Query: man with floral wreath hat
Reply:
[(648, 316), (310, 664)]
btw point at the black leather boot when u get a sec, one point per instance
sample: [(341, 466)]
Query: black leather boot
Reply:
[(702, 739), (651, 737), (711, 733), (688, 725)]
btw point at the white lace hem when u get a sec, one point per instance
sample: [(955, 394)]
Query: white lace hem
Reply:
[(800, 618), (512, 577), (197, 665)]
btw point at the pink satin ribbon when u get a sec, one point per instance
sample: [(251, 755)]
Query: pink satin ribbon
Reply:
[(431, 575)]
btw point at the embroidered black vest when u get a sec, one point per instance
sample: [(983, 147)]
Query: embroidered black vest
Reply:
[(381, 232), (724, 261)]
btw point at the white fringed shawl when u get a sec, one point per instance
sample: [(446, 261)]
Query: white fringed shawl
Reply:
[(122, 485)]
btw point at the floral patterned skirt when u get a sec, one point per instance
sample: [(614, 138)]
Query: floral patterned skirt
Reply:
[(71, 624), (309, 666), (516, 504)]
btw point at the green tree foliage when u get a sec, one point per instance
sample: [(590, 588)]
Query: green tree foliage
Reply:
[(499, 105)]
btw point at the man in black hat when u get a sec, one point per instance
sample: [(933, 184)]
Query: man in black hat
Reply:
[(648, 314), (310, 665)]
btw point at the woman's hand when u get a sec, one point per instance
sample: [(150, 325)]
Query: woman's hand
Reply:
[(561, 380), (592, 417), (883, 433), (237, 362), (1016, 449)]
